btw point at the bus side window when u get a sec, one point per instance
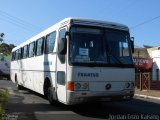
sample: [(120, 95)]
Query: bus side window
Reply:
[(39, 47), (31, 49), (13, 56), (25, 51), (16, 58), (49, 43), (21, 54)]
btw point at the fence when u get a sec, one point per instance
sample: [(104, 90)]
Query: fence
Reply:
[(143, 81)]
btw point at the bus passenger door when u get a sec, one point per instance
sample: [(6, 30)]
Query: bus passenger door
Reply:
[(61, 70)]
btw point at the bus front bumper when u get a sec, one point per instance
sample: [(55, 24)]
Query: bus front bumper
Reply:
[(76, 97)]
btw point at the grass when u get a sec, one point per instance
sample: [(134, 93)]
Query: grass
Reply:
[(3, 100)]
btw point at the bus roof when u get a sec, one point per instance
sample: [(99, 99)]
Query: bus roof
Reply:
[(92, 22), (75, 21)]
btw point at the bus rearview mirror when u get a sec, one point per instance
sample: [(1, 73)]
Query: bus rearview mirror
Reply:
[(132, 44), (62, 46)]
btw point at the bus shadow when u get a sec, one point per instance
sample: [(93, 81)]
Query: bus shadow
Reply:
[(135, 107), (29, 101), (103, 110)]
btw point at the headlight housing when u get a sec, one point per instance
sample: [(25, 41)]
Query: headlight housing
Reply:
[(81, 86), (129, 85)]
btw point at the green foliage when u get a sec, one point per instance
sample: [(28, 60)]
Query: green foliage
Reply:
[(6, 48), (2, 35), (1, 40), (8, 58), (3, 101), (3, 95)]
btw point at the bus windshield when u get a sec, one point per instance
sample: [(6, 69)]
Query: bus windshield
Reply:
[(99, 47)]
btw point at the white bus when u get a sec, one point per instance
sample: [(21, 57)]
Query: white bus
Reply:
[(77, 60)]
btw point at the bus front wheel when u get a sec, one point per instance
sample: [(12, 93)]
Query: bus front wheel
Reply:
[(50, 96)]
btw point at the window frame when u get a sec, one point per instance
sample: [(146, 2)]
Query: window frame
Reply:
[(45, 48), (29, 56), (24, 57), (17, 54), (42, 46), (13, 56)]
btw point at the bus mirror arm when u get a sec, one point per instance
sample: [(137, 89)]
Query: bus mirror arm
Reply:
[(132, 44)]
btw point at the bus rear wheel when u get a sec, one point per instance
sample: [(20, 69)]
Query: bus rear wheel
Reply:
[(17, 85)]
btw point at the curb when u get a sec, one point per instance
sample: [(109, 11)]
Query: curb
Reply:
[(147, 97)]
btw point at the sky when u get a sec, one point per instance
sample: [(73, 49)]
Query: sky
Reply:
[(23, 19)]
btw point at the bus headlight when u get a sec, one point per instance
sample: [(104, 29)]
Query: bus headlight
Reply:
[(77, 86), (127, 85), (132, 85), (85, 86), (81, 86)]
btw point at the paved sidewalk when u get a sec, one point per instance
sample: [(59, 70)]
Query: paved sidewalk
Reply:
[(153, 94)]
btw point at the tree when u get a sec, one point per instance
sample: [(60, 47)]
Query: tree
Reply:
[(1, 40), (6, 48), (1, 37), (2, 34)]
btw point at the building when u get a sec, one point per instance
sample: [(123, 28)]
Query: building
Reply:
[(142, 60), (154, 53), (147, 64)]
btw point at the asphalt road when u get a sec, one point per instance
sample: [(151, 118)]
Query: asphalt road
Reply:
[(27, 105)]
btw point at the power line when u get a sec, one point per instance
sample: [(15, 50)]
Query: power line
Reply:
[(145, 22), (124, 8), (18, 22)]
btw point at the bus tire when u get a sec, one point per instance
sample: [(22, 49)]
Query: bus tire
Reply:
[(50, 96), (17, 85)]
